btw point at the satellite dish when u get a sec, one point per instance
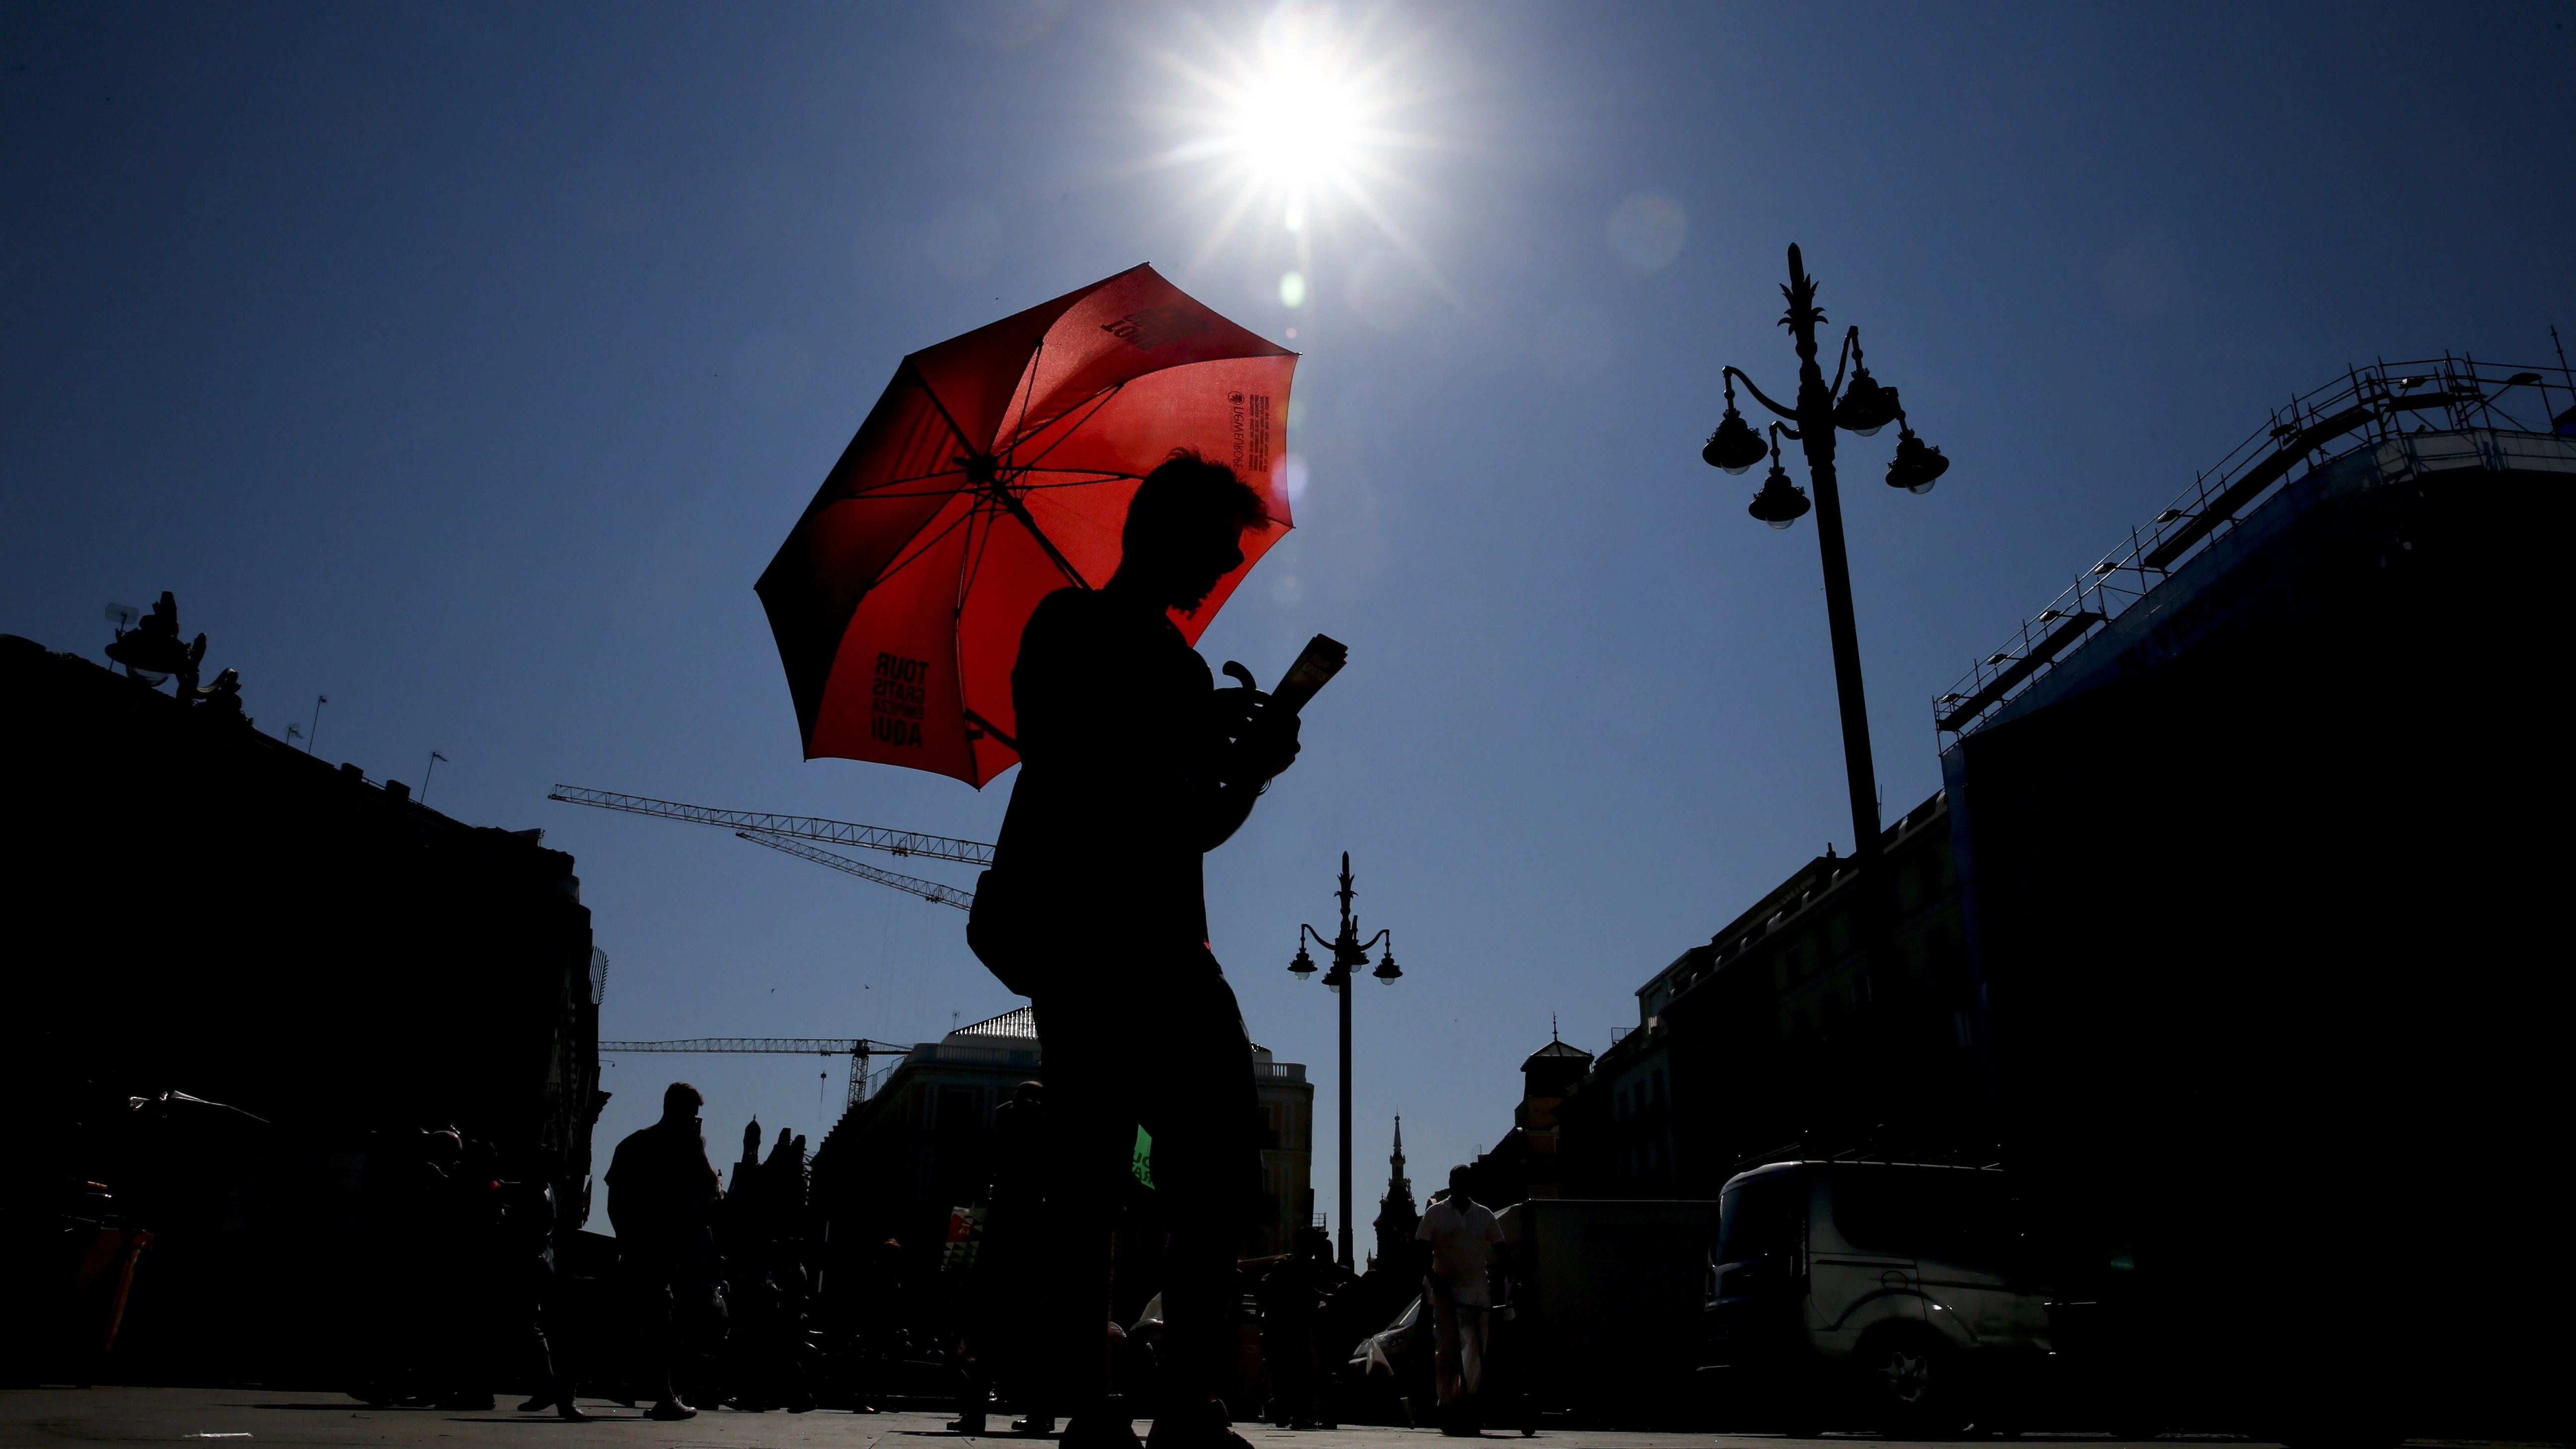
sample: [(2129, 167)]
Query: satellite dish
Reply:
[(598, 975), (123, 616)]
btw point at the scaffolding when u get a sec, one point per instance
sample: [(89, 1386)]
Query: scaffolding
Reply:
[(2446, 412)]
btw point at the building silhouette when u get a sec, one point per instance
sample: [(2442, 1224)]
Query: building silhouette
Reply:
[(2258, 858), (2229, 923), (1526, 1163), (1781, 1035), (920, 1144), (242, 982)]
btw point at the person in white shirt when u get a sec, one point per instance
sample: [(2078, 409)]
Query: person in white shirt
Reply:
[(1465, 1240)]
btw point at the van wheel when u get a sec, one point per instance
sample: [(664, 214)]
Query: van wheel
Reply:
[(1909, 1386)]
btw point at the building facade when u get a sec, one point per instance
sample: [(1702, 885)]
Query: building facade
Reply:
[(921, 1144), (2259, 891), (243, 982), (1785, 1034), (2231, 915)]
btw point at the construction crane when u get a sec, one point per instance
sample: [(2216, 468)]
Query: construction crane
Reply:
[(857, 1049), (840, 832), (787, 833), (928, 890)]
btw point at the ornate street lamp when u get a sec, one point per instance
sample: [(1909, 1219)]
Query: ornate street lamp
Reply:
[(1863, 407), (1349, 954)]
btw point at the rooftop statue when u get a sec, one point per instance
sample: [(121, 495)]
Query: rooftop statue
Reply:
[(223, 697), (151, 651)]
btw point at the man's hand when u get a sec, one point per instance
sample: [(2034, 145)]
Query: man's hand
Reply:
[(1267, 745)]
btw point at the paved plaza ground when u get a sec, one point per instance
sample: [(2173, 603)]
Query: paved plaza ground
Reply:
[(252, 1418)]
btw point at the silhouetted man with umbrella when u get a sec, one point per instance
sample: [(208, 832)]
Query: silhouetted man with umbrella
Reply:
[(1136, 765)]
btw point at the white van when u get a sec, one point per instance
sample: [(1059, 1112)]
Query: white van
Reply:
[(1893, 1296)]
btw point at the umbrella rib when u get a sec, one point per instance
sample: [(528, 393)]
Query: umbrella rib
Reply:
[(921, 547), (974, 567), (924, 384), (957, 657), (873, 497), (1090, 476), (1029, 385), (872, 489), (1002, 494), (1020, 511), (1097, 401)]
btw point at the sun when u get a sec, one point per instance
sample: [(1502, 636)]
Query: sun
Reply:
[(1294, 126)]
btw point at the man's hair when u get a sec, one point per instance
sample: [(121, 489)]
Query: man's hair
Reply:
[(679, 1092), (1187, 487)]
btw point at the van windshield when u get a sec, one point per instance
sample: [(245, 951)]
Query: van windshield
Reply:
[(1765, 1215)]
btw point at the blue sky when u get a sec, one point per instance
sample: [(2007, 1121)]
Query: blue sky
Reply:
[(467, 363)]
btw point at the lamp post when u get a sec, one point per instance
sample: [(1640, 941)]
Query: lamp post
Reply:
[(1349, 953), (1864, 408)]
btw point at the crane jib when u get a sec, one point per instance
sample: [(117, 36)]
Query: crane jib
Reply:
[(805, 827)]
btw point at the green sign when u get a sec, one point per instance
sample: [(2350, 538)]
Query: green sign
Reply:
[(1142, 1164)]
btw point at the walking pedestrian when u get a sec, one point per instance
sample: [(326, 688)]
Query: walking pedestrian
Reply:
[(1464, 1238), (527, 1281), (662, 1197), (1000, 1346), (1293, 1295)]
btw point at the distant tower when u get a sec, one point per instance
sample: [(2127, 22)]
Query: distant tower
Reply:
[(1550, 1073), (1396, 1216)]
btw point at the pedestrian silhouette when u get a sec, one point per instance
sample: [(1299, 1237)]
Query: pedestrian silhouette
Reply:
[(1000, 1347), (1466, 1243), (1293, 1295), (662, 1196), (1134, 766)]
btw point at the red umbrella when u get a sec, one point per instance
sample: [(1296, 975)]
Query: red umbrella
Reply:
[(995, 470)]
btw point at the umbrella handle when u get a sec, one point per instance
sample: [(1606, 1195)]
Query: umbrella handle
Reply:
[(1236, 671)]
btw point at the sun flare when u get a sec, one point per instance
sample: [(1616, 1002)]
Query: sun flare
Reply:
[(1296, 126), (1298, 129)]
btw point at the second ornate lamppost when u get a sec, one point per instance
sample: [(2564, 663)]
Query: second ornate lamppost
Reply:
[(1349, 954), (1864, 407)]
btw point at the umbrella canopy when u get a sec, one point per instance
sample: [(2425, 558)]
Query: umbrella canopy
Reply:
[(995, 470)]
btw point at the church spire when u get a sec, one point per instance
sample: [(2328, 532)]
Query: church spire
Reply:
[(1396, 1215)]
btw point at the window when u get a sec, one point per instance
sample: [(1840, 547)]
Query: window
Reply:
[(1960, 1218), (1765, 1215)]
